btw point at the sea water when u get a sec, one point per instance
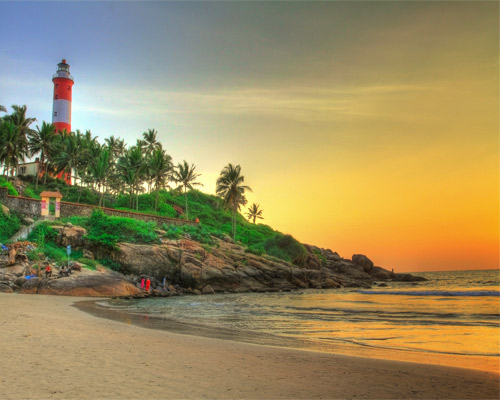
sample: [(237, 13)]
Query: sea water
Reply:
[(451, 319)]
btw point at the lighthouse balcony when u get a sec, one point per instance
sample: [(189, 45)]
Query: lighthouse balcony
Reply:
[(63, 74)]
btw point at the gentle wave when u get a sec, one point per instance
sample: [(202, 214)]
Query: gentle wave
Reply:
[(439, 293)]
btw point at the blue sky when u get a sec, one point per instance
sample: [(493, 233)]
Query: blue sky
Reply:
[(336, 111)]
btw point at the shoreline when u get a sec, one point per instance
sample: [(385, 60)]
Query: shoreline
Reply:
[(198, 330), (54, 350)]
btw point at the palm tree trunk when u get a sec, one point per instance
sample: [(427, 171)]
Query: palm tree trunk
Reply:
[(234, 226), (186, 199), (37, 173)]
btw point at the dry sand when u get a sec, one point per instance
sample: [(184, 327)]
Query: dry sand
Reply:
[(50, 350)]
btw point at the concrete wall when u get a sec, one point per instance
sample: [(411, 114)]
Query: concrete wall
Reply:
[(32, 208), (24, 205)]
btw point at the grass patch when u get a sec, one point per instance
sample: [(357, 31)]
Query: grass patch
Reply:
[(106, 231), (9, 225)]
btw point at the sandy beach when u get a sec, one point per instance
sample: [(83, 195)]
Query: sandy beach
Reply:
[(51, 350)]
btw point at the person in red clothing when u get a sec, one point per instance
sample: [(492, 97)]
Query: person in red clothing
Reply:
[(148, 283), (142, 283), (48, 270)]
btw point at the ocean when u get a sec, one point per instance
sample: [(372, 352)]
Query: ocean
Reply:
[(451, 319)]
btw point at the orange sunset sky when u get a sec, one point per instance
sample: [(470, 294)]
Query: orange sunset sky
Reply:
[(364, 127)]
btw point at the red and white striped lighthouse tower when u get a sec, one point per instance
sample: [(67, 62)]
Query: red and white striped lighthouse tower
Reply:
[(63, 87)]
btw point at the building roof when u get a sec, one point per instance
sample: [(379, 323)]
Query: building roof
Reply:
[(51, 194)]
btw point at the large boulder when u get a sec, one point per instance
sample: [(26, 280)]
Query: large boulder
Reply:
[(70, 235), (151, 260), (363, 261), (86, 283)]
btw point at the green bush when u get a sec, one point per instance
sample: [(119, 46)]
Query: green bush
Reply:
[(286, 248), (28, 192), (5, 183), (54, 253), (9, 225), (110, 264), (43, 233)]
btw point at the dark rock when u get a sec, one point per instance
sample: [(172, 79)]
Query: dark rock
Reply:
[(362, 261), (208, 290), (20, 281), (5, 288), (381, 273), (31, 285), (408, 278)]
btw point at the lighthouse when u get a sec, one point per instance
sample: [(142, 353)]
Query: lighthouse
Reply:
[(63, 87)]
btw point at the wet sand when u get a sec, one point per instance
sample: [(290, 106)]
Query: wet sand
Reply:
[(51, 350)]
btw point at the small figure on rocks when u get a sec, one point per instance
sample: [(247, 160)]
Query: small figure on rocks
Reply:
[(164, 281), (48, 270), (148, 284), (142, 283)]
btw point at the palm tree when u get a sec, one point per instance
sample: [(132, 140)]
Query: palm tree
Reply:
[(12, 149), (160, 166), (68, 158), (100, 171), (150, 141), (2, 108), (184, 175), (254, 212), (230, 187), (19, 119), (43, 141), (130, 168)]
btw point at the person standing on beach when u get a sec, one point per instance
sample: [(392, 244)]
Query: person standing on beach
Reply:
[(148, 283)]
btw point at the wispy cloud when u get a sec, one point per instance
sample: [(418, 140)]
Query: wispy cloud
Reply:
[(302, 104)]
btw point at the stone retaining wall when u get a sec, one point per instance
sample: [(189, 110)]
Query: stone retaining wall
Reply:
[(32, 207), (24, 205)]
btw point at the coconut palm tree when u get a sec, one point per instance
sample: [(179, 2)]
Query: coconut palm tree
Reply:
[(2, 108), (12, 149), (254, 212), (68, 156), (43, 141), (160, 168), (19, 119), (130, 168), (184, 175), (230, 188), (100, 170), (150, 140)]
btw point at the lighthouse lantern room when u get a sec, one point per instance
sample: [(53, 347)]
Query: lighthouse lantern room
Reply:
[(63, 86)]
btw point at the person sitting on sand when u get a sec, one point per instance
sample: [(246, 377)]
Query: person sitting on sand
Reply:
[(48, 270)]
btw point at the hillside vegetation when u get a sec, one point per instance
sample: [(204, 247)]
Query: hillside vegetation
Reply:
[(214, 221)]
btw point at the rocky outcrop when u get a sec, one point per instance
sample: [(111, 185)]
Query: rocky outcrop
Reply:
[(226, 267), (190, 267)]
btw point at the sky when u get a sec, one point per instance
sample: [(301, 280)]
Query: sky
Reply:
[(363, 127)]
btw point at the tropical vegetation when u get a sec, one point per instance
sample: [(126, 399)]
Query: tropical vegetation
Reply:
[(139, 177)]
